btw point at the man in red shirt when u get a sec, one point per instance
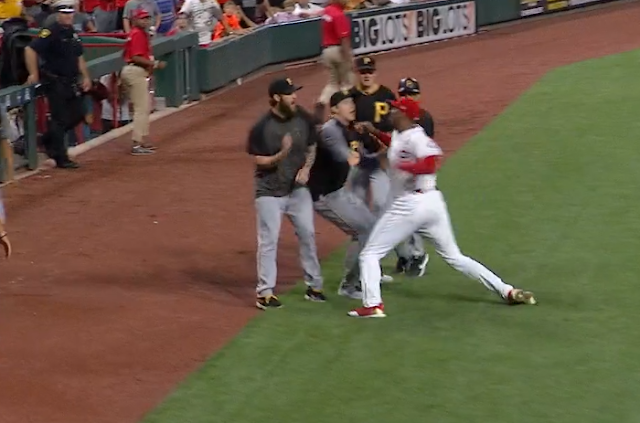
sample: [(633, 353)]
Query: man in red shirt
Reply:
[(337, 55), (139, 64)]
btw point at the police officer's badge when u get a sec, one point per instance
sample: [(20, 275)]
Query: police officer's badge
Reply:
[(44, 33)]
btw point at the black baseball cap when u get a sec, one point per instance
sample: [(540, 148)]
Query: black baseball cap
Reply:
[(408, 86), (338, 96), (365, 63), (282, 86)]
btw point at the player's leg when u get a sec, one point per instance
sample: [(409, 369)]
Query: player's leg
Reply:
[(397, 223), (269, 219), (439, 230), (379, 185), (351, 215), (358, 183), (299, 209)]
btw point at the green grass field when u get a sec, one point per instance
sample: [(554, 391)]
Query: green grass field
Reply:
[(547, 196)]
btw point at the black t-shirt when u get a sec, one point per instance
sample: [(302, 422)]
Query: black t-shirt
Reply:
[(426, 121), (265, 139), (58, 48), (331, 169), (374, 107)]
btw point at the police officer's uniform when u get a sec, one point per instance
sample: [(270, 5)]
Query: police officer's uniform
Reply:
[(58, 48)]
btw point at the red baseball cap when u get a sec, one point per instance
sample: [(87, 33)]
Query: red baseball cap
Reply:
[(408, 106), (141, 14)]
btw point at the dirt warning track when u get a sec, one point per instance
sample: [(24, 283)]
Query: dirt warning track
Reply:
[(131, 271)]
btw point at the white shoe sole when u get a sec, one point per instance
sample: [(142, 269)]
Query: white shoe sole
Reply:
[(369, 316), (423, 265), (386, 279)]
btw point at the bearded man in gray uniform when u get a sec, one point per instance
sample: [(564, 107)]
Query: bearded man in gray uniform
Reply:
[(283, 144)]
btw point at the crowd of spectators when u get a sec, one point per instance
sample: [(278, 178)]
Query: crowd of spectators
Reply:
[(213, 20)]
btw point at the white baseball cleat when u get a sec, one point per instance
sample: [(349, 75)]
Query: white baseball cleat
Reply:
[(386, 278), (520, 296), (368, 312)]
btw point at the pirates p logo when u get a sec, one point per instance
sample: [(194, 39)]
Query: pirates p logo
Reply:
[(409, 83), (289, 81), (366, 60)]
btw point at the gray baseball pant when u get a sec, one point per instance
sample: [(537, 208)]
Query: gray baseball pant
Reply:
[(298, 207), (352, 216), (378, 182)]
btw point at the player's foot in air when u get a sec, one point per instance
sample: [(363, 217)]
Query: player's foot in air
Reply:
[(314, 295), (350, 291), (520, 296), (368, 312), (417, 266), (267, 302)]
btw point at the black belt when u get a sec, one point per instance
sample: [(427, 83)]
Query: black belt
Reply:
[(421, 191)]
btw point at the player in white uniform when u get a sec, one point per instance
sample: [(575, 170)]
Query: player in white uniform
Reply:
[(417, 205)]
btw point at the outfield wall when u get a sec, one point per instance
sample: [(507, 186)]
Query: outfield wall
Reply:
[(192, 70)]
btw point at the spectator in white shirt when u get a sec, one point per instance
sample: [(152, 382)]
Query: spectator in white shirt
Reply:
[(203, 15), (305, 9), (121, 114)]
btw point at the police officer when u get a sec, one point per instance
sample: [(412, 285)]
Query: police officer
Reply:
[(409, 87), (54, 58)]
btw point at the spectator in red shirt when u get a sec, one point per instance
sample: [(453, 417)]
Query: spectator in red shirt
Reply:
[(139, 64), (336, 53)]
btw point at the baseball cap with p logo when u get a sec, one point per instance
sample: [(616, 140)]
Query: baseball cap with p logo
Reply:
[(282, 86)]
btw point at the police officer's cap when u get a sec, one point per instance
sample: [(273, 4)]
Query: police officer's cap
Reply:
[(408, 86), (337, 97), (64, 6), (282, 86), (365, 63)]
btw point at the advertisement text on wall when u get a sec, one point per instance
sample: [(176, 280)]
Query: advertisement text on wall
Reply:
[(532, 7), (423, 25)]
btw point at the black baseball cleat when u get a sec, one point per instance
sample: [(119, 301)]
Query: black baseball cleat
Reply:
[(67, 164), (269, 301), (402, 265), (314, 295), (417, 266)]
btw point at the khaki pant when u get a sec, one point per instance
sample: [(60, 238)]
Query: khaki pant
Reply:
[(340, 75), (136, 83)]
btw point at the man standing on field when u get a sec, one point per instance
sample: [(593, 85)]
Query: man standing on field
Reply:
[(337, 55)]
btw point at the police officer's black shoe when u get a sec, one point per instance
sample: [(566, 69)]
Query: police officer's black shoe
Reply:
[(67, 164)]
